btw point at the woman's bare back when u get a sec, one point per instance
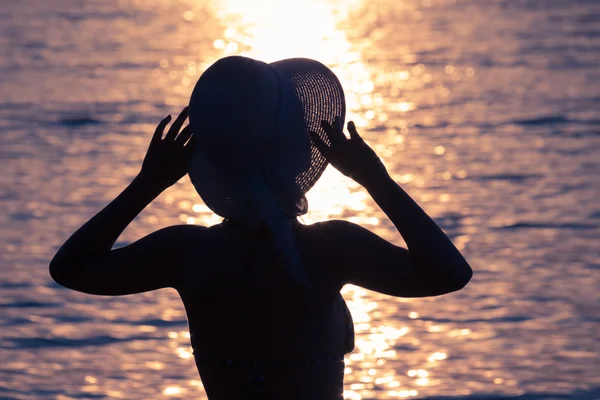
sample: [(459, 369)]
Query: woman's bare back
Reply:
[(239, 305), (249, 330)]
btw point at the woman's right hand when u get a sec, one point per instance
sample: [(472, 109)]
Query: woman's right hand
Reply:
[(352, 157), (167, 159)]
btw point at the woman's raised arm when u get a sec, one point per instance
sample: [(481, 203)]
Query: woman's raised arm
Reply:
[(431, 266), (85, 262)]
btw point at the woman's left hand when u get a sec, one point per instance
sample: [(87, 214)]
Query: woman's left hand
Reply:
[(167, 159), (352, 157)]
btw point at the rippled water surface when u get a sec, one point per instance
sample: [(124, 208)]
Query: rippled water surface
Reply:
[(485, 111)]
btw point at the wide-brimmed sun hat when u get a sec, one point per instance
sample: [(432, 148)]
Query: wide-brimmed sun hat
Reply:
[(247, 114), (254, 156)]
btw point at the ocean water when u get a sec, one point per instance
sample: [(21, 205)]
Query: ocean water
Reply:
[(486, 112)]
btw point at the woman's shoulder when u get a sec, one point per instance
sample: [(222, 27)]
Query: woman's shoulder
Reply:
[(324, 241), (179, 232), (330, 230), (194, 230), (189, 236)]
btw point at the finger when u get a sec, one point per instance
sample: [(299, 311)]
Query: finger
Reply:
[(335, 136), (353, 132), (190, 146), (339, 122), (336, 122), (160, 129), (174, 130), (320, 144), (184, 135)]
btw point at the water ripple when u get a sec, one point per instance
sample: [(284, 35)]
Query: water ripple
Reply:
[(54, 342)]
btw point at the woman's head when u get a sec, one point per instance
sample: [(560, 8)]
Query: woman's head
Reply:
[(254, 159), (234, 109), (252, 121)]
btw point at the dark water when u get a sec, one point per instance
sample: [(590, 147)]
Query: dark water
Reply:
[(485, 111)]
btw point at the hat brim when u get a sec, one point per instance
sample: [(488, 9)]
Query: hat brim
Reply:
[(307, 87)]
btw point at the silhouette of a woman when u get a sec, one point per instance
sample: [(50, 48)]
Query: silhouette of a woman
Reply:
[(262, 291)]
